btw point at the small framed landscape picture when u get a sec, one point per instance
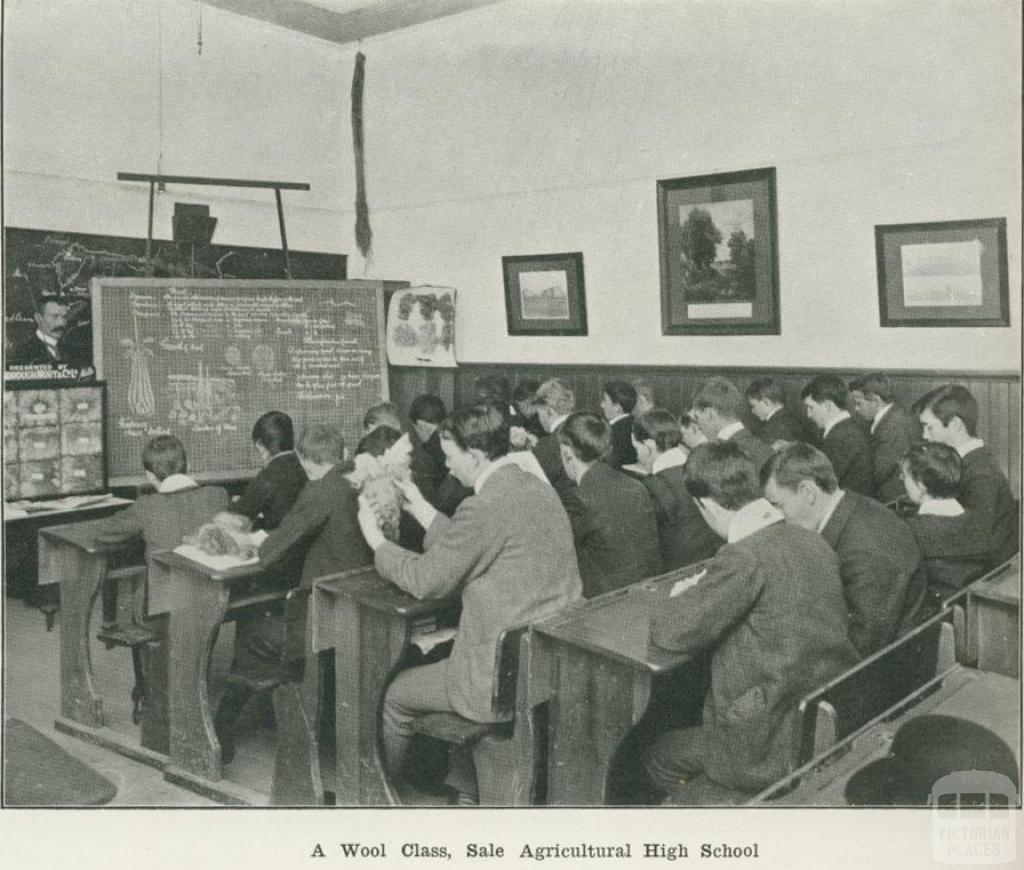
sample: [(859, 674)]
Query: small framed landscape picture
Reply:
[(951, 273), (718, 243), (544, 294)]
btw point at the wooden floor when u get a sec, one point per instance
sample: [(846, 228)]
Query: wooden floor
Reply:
[(32, 693)]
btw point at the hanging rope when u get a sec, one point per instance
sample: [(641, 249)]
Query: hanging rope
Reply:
[(364, 235)]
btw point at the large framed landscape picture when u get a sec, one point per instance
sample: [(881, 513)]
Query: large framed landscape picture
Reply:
[(949, 273), (545, 295), (718, 243)]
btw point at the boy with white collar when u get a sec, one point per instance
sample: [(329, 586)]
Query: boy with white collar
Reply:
[(178, 507), (685, 537), (843, 441), (770, 605), (954, 546), (949, 415)]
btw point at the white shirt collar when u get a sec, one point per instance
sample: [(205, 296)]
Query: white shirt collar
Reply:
[(175, 483), (753, 517), (940, 507), (674, 457), (773, 413), (843, 415), (558, 422), (878, 417), (970, 447), (831, 509), (726, 432), (48, 340), (279, 455), (615, 420)]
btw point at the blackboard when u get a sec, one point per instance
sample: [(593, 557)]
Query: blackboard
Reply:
[(39, 263), (203, 359)]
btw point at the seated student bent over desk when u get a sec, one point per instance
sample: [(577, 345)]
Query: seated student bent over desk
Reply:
[(272, 492), (508, 548), (954, 545), (770, 605), (884, 581), (616, 532), (323, 521), (178, 507), (684, 536)]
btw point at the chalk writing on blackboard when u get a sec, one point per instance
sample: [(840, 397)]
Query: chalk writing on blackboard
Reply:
[(204, 359)]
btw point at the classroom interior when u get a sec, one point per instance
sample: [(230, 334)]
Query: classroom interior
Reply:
[(499, 128)]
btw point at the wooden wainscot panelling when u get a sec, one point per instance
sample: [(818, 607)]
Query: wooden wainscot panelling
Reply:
[(998, 393)]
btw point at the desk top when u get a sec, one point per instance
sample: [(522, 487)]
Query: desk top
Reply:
[(15, 511), (175, 561), (1002, 585), (367, 587), (617, 625), (83, 536)]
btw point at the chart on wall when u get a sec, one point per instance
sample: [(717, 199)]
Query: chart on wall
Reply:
[(45, 263), (204, 359)]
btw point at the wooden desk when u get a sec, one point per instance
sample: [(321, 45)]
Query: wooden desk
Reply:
[(596, 667), (987, 699), (21, 563), (70, 556), (369, 623), (993, 617), (197, 599)]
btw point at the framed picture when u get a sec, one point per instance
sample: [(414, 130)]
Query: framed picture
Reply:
[(719, 247), (951, 273), (544, 294)]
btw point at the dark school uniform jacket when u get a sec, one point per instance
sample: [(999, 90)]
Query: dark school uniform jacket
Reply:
[(272, 492), (616, 533), (884, 581), (986, 493), (848, 448), (683, 535), (894, 435), (954, 550), (771, 609)]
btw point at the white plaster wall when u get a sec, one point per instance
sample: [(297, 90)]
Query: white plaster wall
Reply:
[(536, 126)]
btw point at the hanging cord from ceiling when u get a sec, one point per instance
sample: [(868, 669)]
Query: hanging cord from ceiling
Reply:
[(364, 235)]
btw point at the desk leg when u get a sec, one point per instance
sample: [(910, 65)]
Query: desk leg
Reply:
[(199, 609), (80, 575), (156, 666), (597, 703), (370, 644)]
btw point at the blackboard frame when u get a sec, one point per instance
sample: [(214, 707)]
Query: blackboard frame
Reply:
[(99, 284)]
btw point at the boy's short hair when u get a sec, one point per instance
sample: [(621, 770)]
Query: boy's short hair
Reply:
[(525, 391), (478, 427), (428, 408), (797, 462), (275, 432), (686, 420), (936, 467), (874, 384), (659, 426), (766, 388), (622, 394), (721, 472), (377, 441), (383, 414), (557, 395), (949, 401), (163, 456), (721, 395), (826, 388), (587, 435), (321, 443), (492, 390)]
